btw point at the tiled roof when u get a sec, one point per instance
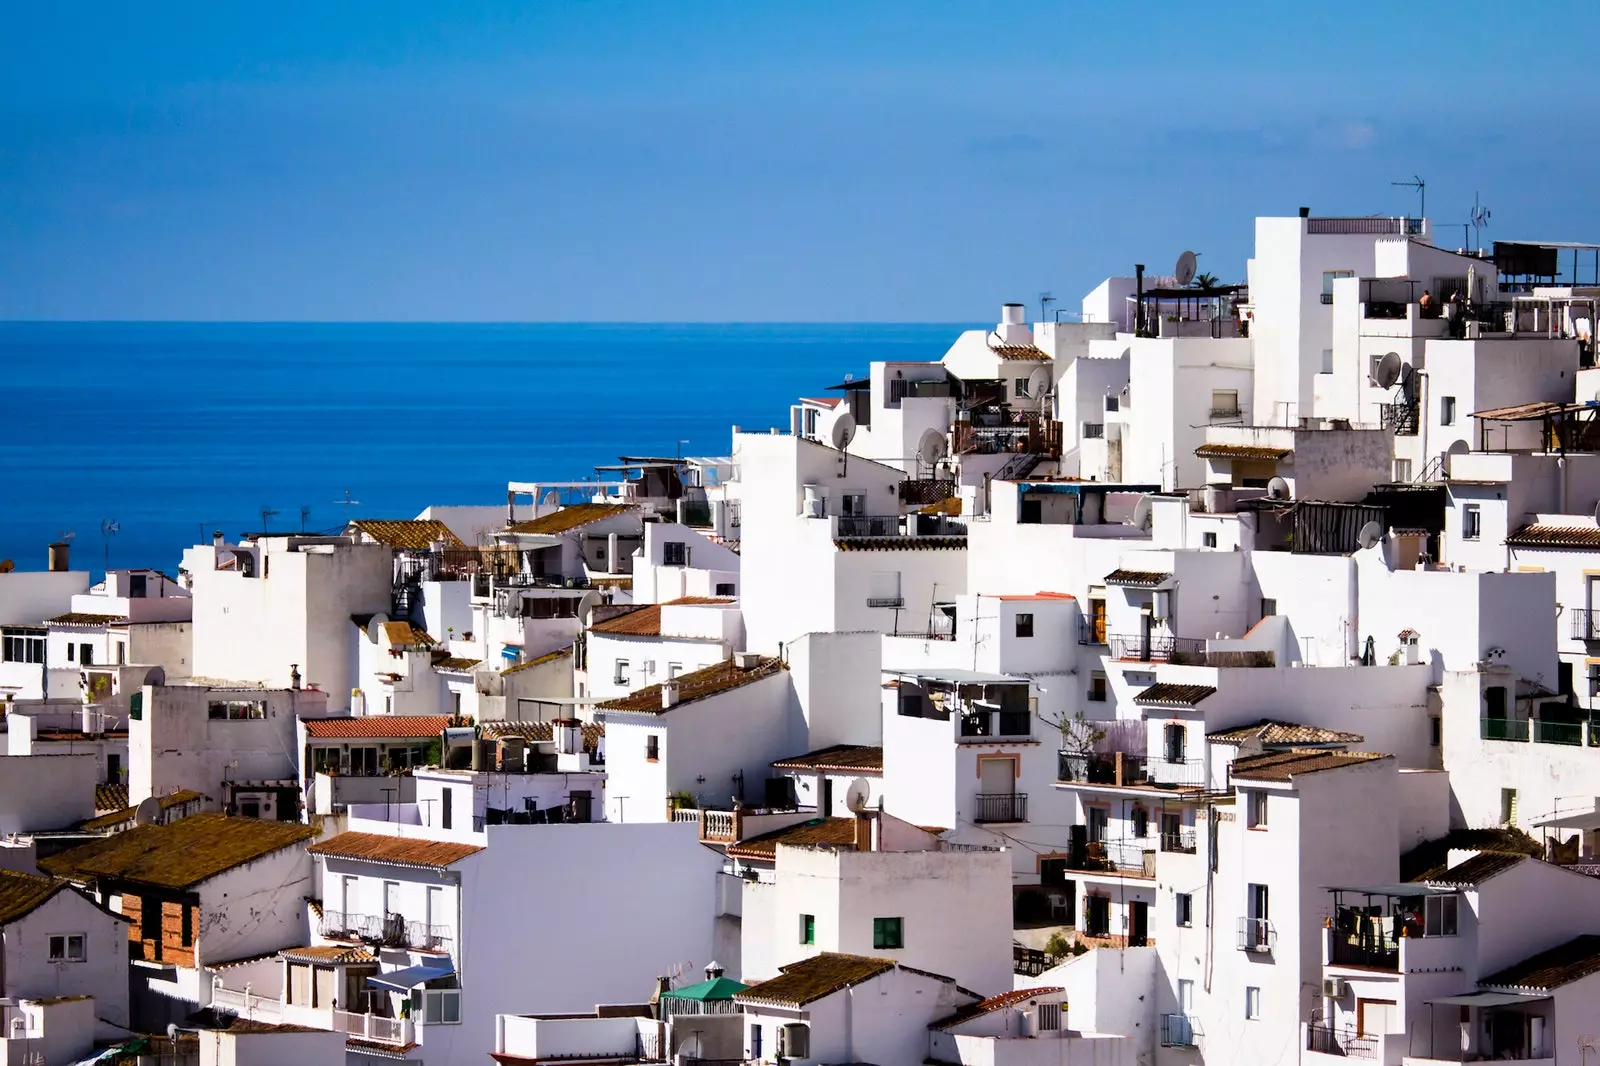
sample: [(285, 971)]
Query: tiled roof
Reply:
[(846, 758), (21, 894), (900, 544), (414, 534), (1548, 970), (1242, 451), (540, 732), (1539, 535), (400, 726), (338, 954), (994, 1003), (1166, 694), (818, 832), (180, 855), (645, 621), (1025, 352), (1038, 596), (1286, 765), (451, 662), (811, 979), (116, 818), (110, 798), (579, 514), (1522, 412), (1479, 868), (402, 851), (699, 684), (822, 401), (81, 618), (406, 633), (1269, 731), (548, 657), (1144, 579)]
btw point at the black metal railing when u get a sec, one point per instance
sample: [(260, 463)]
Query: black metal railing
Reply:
[(389, 930), (1157, 648), (886, 601), (1100, 768), (926, 490), (1183, 841), (886, 525), (1226, 412), (1177, 773), (1257, 934), (1178, 1030), (1548, 732), (1000, 807), (1503, 728), (1091, 632), (1585, 625), (1366, 948), (1030, 962), (1394, 227), (1327, 298), (1398, 418), (1327, 1041)]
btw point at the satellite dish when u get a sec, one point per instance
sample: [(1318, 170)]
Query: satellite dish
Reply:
[(586, 606), (375, 626), (1408, 382), (931, 448), (855, 797), (1142, 513), (551, 499), (6, 566), (1277, 489), (1039, 385), (843, 431), (1370, 534), (1183, 273), (148, 812), (1388, 370), (156, 676)]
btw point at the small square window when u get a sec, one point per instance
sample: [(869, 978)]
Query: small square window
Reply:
[(1113, 403), (1097, 687), (887, 933), (1022, 387), (620, 677), (1024, 625), (1185, 915), (725, 588), (1269, 607), (1258, 808), (67, 947), (1447, 410), (1208, 540), (1471, 522), (808, 929), (1252, 1003), (674, 553)]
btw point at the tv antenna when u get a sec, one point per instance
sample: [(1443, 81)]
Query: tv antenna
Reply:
[(266, 513), (1045, 300), (305, 513), (348, 503), (1422, 192), (1480, 222), (109, 527)]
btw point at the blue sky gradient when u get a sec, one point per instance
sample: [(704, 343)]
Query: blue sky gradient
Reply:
[(722, 161)]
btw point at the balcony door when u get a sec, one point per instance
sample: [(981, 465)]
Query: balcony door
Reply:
[(1138, 923), (1375, 1017), (1097, 620)]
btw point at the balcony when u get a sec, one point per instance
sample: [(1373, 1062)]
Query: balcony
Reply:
[(1548, 732), (1182, 842), (923, 491), (869, 526), (1325, 1041), (1515, 729), (1257, 935), (245, 1005), (399, 1031), (1157, 648), (1227, 412), (1116, 768), (1585, 625), (1030, 962), (390, 931), (1180, 1030), (1114, 857), (1177, 772), (996, 807), (1398, 418), (1091, 631), (1394, 227)]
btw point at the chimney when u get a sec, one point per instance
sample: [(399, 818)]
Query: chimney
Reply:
[(713, 970), (1138, 298), (58, 557), (568, 734), (669, 694), (746, 660), (1013, 329), (865, 835), (663, 986), (216, 538), (294, 676), (1305, 212)]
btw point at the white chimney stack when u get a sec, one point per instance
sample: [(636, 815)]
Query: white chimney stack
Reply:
[(1012, 328), (568, 734), (669, 694)]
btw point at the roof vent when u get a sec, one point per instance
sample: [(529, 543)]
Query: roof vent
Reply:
[(669, 694), (713, 970), (746, 660)]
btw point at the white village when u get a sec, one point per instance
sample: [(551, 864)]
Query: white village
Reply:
[(1203, 675)]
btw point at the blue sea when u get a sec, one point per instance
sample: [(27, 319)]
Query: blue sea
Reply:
[(171, 430)]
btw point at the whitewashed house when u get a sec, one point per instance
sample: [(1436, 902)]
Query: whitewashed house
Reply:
[(60, 943), (655, 642)]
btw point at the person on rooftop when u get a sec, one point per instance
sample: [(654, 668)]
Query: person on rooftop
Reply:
[(1430, 306)]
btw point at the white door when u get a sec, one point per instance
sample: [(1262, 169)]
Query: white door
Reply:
[(997, 777)]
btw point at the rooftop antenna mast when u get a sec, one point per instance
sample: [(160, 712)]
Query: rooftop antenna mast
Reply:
[(1045, 300), (266, 513), (348, 503), (1480, 222), (305, 513), (1422, 192), (109, 527)]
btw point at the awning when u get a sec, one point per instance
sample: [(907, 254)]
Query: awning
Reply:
[(1486, 999), (1583, 820), (1401, 890), (510, 652), (412, 976)]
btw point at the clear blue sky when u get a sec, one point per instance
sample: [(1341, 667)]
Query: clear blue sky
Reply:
[(710, 161)]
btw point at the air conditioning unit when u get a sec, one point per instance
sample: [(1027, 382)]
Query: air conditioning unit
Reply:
[(1334, 988), (794, 1041)]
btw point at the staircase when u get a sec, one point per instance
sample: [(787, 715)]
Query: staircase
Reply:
[(1018, 466)]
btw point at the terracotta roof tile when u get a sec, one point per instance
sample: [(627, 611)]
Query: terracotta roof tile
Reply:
[(579, 514), (541, 732), (1242, 451), (21, 894), (1480, 867), (845, 758), (994, 1003), (413, 534), (1143, 579), (180, 855), (1020, 352), (116, 818), (1269, 731), (900, 544), (700, 684), (1286, 765), (1548, 970), (398, 726), (81, 618), (640, 622), (1167, 694), (811, 979), (402, 851), (451, 662), (405, 633), (1540, 535), (818, 832), (548, 657), (108, 798), (338, 954)]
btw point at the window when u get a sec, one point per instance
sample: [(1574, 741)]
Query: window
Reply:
[(455, 704), (1471, 521), (85, 654), (1097, 687), (1252, 1003), (446, 813), (853, 504), (122, 653), (1435, 731), (187, 931), (652, 749), (114, 767), (1049, 1017), (674, 553), (1328, 278), (1224, 403), (1327, 360), (1185, 913), (1258, 808), (1113, 403), (67, 947), (436, 1006), (250, 808), (808, 929), (1439, 915), (1022, 387), (1402, 470), (810, 421), (25, 649), (1097, 915), (620, 676), (136, 586), (1094, 430), (72, 653), (1099, 819), (725, 588), (236, 710), (1447, 410), (887, 933), (1176, 739), (1024, 625), (1269, 607), (673, 670), (1508, 806), (1208, 540), (1141, 822), (755, 1043)]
